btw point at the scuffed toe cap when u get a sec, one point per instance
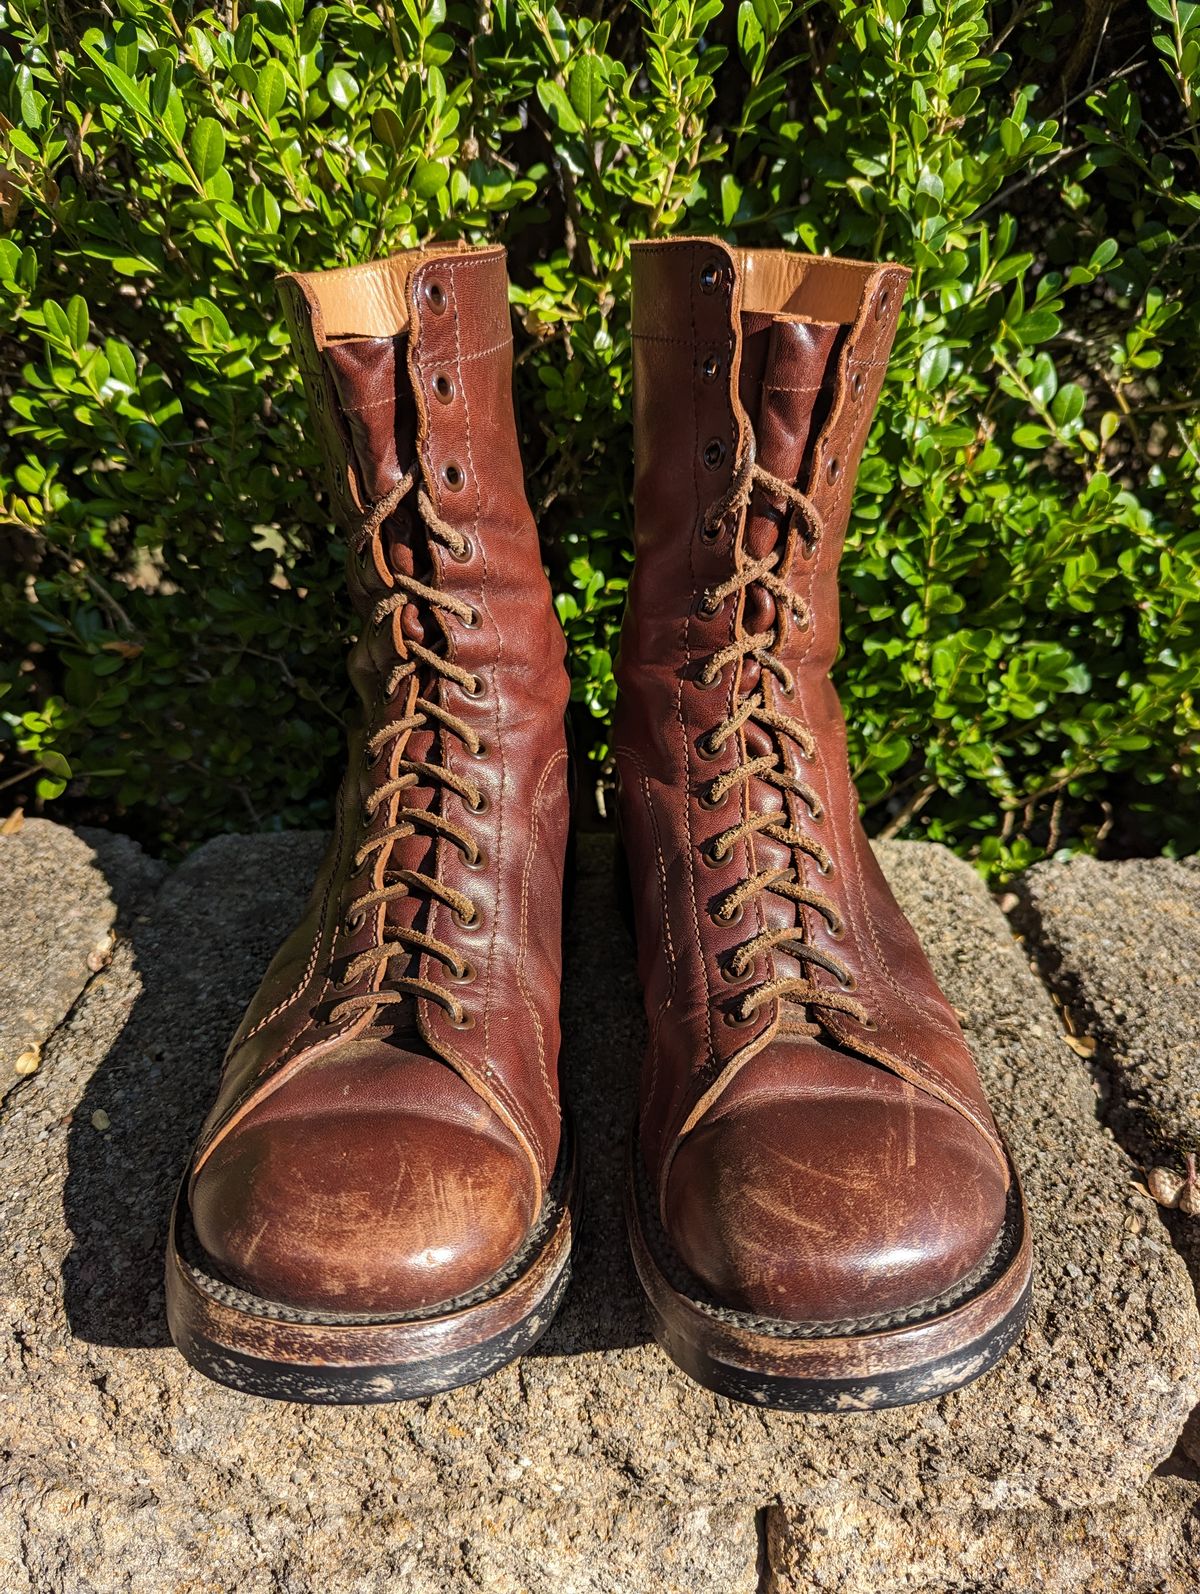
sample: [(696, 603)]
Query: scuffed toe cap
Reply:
[(330, 1197), (816, 1209)]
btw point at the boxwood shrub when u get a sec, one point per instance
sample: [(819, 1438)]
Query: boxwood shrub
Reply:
[(1022, 588)]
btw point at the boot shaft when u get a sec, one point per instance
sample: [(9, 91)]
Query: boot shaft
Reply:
[(740, 354)]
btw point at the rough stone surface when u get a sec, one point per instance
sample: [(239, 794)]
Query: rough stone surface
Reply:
[(1121, 944), (847, 1545), (59, 897), (592, 1465)]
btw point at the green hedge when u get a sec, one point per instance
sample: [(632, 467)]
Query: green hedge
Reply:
[(1023, 582)]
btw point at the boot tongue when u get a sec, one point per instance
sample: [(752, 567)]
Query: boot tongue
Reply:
[(786, 370), (786, 390), (370, 376)]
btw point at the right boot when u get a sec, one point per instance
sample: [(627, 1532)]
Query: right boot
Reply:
[(381, 1201)]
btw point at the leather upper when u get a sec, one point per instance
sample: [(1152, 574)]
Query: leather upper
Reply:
[(785, 356), (442, 1100)]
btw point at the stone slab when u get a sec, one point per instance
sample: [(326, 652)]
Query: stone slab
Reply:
[(1121, 944), (60, 895), (592, 1465)]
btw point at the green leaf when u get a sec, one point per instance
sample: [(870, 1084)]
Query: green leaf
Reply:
[(341, 87), (77, 321), (270, 90), (558, 107), (429, 178), (585, 86), (207, 148)]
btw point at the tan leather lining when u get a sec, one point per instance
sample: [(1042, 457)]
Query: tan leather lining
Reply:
[(370, 301), (816, 287)]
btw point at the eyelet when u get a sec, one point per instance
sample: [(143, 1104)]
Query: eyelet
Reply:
[(354, 920), (711, 369), (463, 1021), (478, 752), (709, 803), (713, 858), (706, 609), (817, 814), (481, 807), (703, 750), (464, 975), (714, 453), (736, 1020), (882, 302), (454, 476), (435, 297), (836, 932), (476, 688), (710, 534), (734, 918), (849, 983), (867, 1023), (710, 276), (729, 976), (825, 868), (480, 861), (469, 921), (704, 681), (856, 386), (833, 470), (808, 550), (464, 553), (471, 623), (443, 388)]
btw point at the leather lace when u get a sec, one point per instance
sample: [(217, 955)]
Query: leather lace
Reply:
[(396, 940), (770, 573)]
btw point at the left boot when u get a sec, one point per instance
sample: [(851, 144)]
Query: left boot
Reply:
[(823, 1213)]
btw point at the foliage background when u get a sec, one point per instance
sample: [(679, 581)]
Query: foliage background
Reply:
[(1023, 583)]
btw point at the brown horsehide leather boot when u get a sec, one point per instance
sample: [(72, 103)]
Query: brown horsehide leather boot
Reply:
[(822, 1212), (380, 1203)]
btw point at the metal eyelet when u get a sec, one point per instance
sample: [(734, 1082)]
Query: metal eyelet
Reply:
[(836, 932), (479, 862), (354, 920), (817, 814), (469, 921), (715, 858), (709, 802), (705, 751), (706, 608), (711, 369), (808, 550), (464, 975), (435, 297), (471, 623), (856, 386), (734, 918), (462, 1021), (882, 302), (454, 476), (833, 470), (710, 534), (728, 974), (480, 807), (478, 752), (714, 453), (443, 388), (707, 682), (476, 688), (825, 868), (710, 276), (867, 1023), (737, 1020), (464, 553), (849, 983)]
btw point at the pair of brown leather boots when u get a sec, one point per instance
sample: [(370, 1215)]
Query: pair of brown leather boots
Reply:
[(384, 1197)]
